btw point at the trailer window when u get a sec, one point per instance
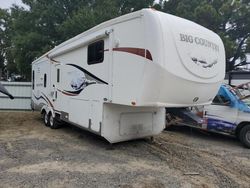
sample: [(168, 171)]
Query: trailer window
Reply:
[(33, 80), (44, 80), (58, 76), (96, 52)]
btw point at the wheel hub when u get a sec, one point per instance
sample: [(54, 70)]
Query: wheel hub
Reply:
[(46, 118), (51, 120)]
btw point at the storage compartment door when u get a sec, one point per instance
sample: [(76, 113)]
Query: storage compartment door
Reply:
[(136, 123)]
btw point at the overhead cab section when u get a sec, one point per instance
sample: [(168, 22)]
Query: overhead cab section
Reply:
[(188, 62)]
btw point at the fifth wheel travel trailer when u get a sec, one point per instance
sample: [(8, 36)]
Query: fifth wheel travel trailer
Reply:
[(117, 78)]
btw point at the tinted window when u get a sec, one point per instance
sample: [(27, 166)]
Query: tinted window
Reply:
[(58, 75), (96, 52), (33, 79), (44, 80)]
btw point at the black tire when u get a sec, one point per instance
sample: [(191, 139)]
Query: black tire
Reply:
[(245, 136), (169, 127), (45, 119), (53, 123)]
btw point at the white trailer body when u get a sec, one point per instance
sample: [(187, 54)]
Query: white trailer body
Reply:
[(117, 78)]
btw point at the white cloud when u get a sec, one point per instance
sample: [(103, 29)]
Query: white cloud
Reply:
[(7, 3)]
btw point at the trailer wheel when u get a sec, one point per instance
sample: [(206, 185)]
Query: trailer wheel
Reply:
[(245, 136), (45, 119), (53, 123)]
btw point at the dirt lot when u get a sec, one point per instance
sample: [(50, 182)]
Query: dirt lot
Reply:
[(32, 155)]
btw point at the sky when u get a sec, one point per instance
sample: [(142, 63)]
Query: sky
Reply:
[(8, 3)]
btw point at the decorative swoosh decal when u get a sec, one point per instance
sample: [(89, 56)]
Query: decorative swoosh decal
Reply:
[(48, 100), (85, 81), (88, 74), (137, 51), (74, 92), (45, 98), (38, 98), (70, 93), (204, 63)]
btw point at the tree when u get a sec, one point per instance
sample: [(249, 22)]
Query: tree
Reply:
[(28, 33), (27, 42), (34, 31), (127, 6), (5, 40), (239, 31), (3, 14), (47, 23), (88, 16)]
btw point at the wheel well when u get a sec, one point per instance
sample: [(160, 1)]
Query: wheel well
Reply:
[(240, 126), (43, 111)]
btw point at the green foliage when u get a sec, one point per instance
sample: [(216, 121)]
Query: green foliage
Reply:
[(87, 17), (81, 20), (207, 15), (127, 6), (3, 45), (5, 41)]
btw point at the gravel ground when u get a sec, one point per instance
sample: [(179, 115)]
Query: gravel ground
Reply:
[(32, 155)]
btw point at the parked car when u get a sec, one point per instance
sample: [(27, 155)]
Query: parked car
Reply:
[(228, 114)]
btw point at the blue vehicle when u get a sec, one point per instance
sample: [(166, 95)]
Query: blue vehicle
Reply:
[(228, 114)]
